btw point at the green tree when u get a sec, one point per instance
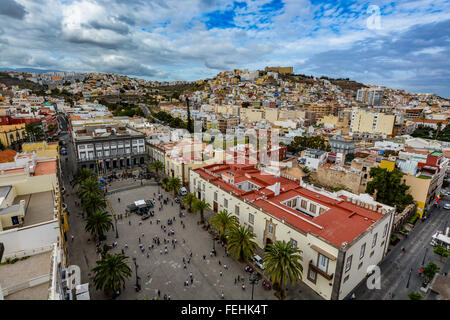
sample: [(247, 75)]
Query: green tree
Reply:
[(282, 262), (97, 223), (430, 270), (389, 188), (93, 203), (34, 132), (174, 185), (201, 206), (415, 295), (441, 251), (82, 175), (164, 182), (189, 200), (241, 243), (89, 187), (223, 222), (111, 272), (157, 166)]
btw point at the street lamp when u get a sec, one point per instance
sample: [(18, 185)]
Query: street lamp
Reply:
[(137, 277), (409, 277), (115, 222), (253, 280), (423, 261)]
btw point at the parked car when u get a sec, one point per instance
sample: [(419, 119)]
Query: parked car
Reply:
[(447, 206), (259, 262)]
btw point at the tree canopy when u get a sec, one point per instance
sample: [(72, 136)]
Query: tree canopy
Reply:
[(301, 143), (389, 188)]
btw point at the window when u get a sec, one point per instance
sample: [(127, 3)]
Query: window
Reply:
[(236, 210), (82, 146), (322, 264), (293, 243), (312, 275), (346, 278), (251, 218), (321, 210), (385, 230), (270, 228), (99, 154), (250, 228), (348, 264), (82, 155), (363, 249), (304, 203), (312, 208), (360, 265), (374, 241), (215, 196), (371, 254)]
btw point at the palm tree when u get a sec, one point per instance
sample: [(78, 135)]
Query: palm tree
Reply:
[(33, 110), (98, 223), (110, 273), (89, 187), (241, 244), (223, 222), (156, 165), (282, 262), (174, 185), (200, 205), (164, 182), (93, 203), (189, 200), (82, 175)]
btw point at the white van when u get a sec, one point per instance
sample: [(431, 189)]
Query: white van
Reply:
[(441, 239), (259, 262), (183, 191)]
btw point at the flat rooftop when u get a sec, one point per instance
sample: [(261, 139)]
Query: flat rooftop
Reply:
[(38, 207), (343, 221), (19, 273)]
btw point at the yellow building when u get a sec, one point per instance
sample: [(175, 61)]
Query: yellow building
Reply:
[(387, 164), (371, 122), (42, 149), (335, 121), (13, 134)]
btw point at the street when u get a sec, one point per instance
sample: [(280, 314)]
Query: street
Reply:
[(396, 268)]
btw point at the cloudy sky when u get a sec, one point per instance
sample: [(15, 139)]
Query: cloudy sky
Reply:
[(399, 44)]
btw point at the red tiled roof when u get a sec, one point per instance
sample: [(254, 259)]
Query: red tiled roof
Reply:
[(342, 222), (7, 155), (46, 167)]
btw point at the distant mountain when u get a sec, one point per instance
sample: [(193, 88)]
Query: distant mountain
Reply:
[(28, 70)]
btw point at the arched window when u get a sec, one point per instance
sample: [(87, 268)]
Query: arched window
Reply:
[(11, 138)]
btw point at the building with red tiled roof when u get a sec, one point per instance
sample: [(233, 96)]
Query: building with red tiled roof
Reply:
[(340, 234), (7, 155)]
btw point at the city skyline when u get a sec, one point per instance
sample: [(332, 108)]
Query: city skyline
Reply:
[(400, 44)]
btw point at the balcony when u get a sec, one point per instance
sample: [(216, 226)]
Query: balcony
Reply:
[(319, 271)]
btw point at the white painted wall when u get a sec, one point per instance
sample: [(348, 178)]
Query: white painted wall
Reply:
[(30, 240)]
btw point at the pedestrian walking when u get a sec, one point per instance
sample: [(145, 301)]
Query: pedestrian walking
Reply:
[(220, 273), (126, 246), (148, 255), (204, 257), (139, 239), (160, 251), (159, 293), (72, 238), (235, 281), (183, 260), (142, 234), (168, 297), (129, 222), (239, 278), (220, 263), (225, 267), (118, 199), (185, 266)]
